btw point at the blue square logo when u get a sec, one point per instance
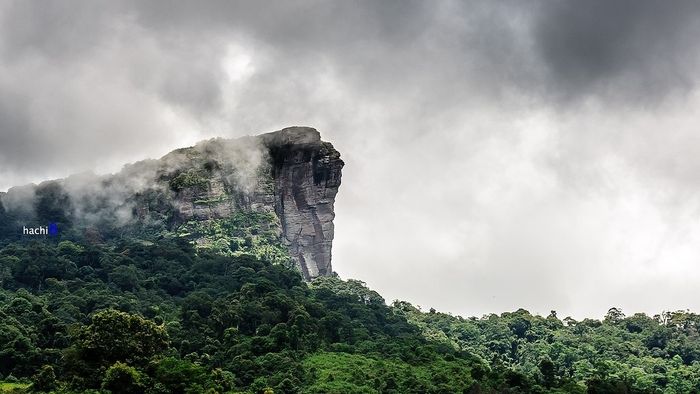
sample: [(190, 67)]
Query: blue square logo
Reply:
[(53, 229)]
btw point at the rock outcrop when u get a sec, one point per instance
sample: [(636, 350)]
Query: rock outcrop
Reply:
[(233, 196), (306, 172)]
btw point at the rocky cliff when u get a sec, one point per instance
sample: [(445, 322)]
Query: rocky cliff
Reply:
[(270, 195), (306, 173)]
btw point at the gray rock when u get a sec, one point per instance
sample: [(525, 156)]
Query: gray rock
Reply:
[(307, 174)]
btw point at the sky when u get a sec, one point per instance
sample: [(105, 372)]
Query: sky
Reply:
[(499, 155)]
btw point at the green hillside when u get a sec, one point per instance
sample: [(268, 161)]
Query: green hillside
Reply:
[(163, 316)]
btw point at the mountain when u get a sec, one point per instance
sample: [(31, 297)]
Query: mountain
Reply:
[(208, 271), (271, 194)]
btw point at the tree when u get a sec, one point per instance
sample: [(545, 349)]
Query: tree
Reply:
[(45, 379), (614, 316), (177, 376), (548, 371), (123, 379), (125, 276), (118, 336)]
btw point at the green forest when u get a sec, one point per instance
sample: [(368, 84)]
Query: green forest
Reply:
[(136, 313)]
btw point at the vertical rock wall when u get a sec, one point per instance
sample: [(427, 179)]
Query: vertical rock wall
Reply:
[(307, 174)]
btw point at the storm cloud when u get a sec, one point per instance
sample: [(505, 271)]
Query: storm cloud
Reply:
[(499, 154)]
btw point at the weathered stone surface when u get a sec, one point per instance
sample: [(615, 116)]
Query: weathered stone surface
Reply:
[(307, 173)]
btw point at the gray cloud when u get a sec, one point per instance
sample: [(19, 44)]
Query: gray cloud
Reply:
[(506, 154), (631, 50)]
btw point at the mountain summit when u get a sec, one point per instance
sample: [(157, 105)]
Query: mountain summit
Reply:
[(269, 195)]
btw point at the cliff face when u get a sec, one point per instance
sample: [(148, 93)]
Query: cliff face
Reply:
[(306, 173), (271, 196)]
